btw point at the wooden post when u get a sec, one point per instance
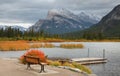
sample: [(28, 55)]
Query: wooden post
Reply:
[(88, 53), (103, 53)]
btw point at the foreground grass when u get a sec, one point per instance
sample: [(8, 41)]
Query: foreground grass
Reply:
[(13, 45), (72, 65), (71, 46)]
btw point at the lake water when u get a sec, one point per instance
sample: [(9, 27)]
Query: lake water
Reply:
[(112, 51)]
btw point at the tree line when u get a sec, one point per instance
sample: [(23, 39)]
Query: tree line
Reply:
[(33, 35)]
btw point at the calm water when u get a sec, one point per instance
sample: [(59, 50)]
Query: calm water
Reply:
[(111, 68)]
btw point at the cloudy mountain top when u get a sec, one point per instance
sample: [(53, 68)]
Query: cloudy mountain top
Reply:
[(60, 21), (62, 12)]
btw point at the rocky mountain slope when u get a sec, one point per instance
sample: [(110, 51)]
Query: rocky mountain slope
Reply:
[(59, 21), (109, 24)]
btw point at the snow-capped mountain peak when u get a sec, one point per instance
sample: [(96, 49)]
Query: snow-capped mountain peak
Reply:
[(61, 21), (89, 17), (62, 12)]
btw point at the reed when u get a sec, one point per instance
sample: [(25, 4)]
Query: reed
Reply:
[(13, 45), (36, 45), (40, 45), (71, 46), (48, 45)]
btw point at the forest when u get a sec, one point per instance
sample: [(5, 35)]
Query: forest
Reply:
[(15, 34)]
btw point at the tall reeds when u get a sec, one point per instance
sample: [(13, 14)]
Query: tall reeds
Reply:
[(13, 45), (42, 45), (71, 46)]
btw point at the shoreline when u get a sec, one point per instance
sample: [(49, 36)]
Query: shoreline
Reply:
[(12, 67)]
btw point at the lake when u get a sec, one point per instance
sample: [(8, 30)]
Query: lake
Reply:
[(112, 53)]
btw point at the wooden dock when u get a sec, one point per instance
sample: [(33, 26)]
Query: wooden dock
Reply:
[(88, 61)]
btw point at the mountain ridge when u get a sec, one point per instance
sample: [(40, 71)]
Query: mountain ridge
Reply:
[(107, 27), (61, 21)]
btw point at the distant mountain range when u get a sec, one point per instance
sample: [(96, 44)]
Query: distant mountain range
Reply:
[(109, 25), (59, 21), (14, 27)]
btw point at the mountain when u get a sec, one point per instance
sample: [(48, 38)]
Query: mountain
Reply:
[(14, 27), (59, 21), (88, 19), (109, 24)]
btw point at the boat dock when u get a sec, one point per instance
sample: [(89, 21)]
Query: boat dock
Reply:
[(88, 61)]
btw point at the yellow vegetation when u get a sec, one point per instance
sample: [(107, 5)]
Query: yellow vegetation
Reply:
[(48, 45), (71, 46), (73, 65), (13, 45), (36, 45), (40, 45)]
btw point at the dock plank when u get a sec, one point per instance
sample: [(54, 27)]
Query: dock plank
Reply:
[(86, 61)]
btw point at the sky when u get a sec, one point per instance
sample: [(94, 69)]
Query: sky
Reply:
[(26, 12)]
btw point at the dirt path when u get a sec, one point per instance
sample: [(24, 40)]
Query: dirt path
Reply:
[(11, 67)]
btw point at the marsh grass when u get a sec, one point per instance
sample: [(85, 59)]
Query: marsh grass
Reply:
[(48, 45), (72, 65), (13, 45), (40, 45), (36, 45), (71, 46)]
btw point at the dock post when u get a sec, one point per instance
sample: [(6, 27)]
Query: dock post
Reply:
[(103, 53), (88, 53)]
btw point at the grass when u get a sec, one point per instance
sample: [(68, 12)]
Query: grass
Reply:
[(71, 46), (72, 65), (36, 45), (82, 67), (40, 45), (13, 45), (48, 45)]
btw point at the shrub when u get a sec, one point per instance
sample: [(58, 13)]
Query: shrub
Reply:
[(36, 53)]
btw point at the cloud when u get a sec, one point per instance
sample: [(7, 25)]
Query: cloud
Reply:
[(30, 11)]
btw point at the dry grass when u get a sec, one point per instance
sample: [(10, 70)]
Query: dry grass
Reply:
[(48, 45), (13, 45), (71, 46), (40, 45), (36, 45), (72, 65)]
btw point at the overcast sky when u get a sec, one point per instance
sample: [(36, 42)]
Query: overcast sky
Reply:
[(27, 12)]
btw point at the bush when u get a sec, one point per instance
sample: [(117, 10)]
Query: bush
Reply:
[(36, 53)]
